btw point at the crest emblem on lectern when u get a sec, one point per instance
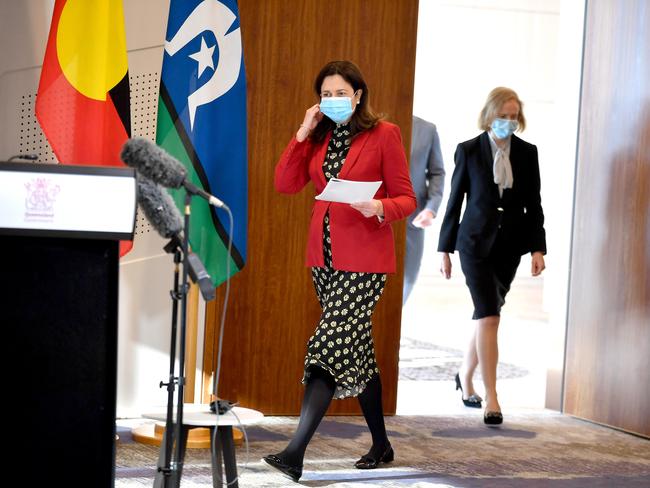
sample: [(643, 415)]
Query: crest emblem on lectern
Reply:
[(40, 199)]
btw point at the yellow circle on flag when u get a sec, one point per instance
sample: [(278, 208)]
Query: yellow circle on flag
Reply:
[(91, 45)]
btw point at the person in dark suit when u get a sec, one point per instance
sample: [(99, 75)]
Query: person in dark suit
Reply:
[(497, 174), (428, 177), (350, 250)]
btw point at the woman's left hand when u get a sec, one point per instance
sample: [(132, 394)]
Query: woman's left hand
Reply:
[(537, 263), (370, 208)]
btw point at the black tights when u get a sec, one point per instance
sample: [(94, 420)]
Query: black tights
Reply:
[(373, 412), (318, 396)]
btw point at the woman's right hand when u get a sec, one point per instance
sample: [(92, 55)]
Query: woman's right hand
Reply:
[(313, 116), (445, 265)]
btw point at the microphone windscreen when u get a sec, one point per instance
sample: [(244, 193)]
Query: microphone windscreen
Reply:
[(153, 162), (159, 207)]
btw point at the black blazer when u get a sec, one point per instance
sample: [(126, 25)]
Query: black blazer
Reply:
[(518, 214)]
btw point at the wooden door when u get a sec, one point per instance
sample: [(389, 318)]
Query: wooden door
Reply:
[(608, 343)]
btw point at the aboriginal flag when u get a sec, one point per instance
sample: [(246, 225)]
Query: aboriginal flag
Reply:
[(82, 103)]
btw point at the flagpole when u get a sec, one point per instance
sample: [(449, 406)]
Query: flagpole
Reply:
[(192, 333)]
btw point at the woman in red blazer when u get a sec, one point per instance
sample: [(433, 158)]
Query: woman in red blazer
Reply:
[(350, 249), (497, 176)]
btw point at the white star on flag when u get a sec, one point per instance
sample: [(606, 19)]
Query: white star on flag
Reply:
[(204, 57)]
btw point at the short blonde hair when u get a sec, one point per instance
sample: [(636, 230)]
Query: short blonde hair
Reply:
[(493, 104)]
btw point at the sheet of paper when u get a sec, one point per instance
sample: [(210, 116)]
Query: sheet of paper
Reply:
[(346, 191)]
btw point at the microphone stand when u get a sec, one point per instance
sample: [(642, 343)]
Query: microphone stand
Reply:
[(171, 464), (166, 455), (180, 444)]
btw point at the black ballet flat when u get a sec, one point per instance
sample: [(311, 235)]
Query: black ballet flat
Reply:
[(472, 401), (493, 418), (367, 462), (293, 472)]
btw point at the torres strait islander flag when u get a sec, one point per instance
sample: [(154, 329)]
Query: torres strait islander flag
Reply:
[(202, 122), (82, 103)]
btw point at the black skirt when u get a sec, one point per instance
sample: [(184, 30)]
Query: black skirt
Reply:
[(489, 279), (342, 343)]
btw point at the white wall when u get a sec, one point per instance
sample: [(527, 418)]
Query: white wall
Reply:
[(468, 47)]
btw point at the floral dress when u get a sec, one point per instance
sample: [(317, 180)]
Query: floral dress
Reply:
[(342, 342)]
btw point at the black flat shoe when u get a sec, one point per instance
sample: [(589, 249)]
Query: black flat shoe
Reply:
[(472, 401), (293, 472), (367, 462), (493, 418)]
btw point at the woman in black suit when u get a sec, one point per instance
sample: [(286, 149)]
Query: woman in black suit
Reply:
[(498, 174)]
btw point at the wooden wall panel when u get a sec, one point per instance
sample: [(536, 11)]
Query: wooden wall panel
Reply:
[(273, 307), (608, 343)]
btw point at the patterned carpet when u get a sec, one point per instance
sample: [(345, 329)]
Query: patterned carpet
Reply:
[(424, 361), (541, 449)]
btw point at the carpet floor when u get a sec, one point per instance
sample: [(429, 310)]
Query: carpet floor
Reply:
[(531, 449)]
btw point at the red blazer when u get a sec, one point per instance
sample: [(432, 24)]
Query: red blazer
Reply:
[(359, 243)]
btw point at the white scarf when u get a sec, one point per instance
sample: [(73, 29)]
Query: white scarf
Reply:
[(501, 168)]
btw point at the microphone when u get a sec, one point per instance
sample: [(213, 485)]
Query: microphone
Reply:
[(200, 276), (27, 157), (162, 213), (158, 206), (158, 165)]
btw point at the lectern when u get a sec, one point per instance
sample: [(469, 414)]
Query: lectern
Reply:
[(60, 228)]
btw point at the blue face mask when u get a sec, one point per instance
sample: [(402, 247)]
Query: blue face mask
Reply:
[(338, 109), (503, 128)]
